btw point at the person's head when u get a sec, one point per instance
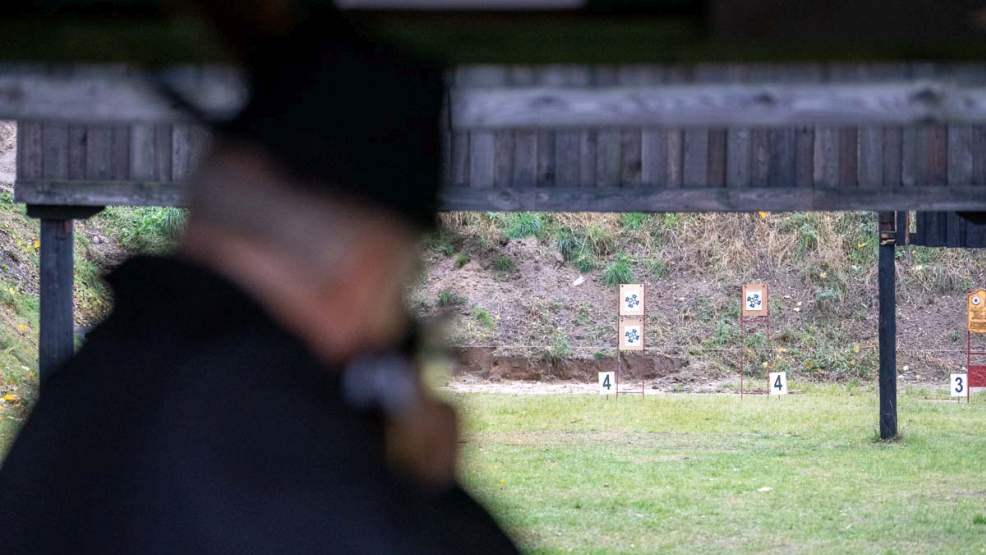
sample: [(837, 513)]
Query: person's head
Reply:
[(315, 196)]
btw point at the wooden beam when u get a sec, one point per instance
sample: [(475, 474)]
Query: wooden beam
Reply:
[(710, 199), (719, 105), (108, 94), (99, 193), (561, 198)]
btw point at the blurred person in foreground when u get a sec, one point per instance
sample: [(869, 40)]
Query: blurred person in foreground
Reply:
[(256, 392)]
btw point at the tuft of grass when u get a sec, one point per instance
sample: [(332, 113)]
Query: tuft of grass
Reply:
[(523, 224), (657, 268), (447, 297), (979, 519), (484, 318), (618, 271), (633, 221), (504, 264), (461, 259), (144, 229)]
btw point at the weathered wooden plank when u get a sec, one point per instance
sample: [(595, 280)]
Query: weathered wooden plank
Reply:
[(782, 158), (563, 198), (459, 172), (721, 199), (77, 148), (720, 105), (695, 161), (120, 152), (717, 158), (979, 160), (142, 144), (54, 144), (545, 158), (587, 158), (960, 157), (653, 158), (567, 149), (163, 152), (804, 163), (826, 157), (99, 153), (525, 159), (848, 157), (106, 95), (675, 157), (181, 151), (739, 158), (29, 150), (630, 152), (85, 192), (759, 156), (609, 160), (893, 142), (482, 170), (503, 156)]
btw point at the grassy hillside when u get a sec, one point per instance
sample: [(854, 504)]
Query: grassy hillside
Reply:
[(544, 286)]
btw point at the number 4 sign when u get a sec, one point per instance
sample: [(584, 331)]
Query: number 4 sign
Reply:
[(778, 383), (607, 383), (956, 385)]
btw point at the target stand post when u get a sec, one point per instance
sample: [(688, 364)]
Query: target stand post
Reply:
[(975, 325), (630, 327), (754, 311)]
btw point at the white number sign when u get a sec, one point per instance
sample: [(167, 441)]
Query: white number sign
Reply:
[(631, 299), (957, 385), (778, 383), (607, 383)]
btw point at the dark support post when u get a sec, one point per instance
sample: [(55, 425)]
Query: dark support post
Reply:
[(56, 335), (888, 326)]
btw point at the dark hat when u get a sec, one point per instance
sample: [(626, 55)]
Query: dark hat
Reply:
[(347, 116)]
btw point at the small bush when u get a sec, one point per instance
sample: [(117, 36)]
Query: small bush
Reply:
[(560, 349), (618, 271), (504, 263), (447, 297)]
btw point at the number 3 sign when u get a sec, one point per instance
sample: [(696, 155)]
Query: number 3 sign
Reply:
[(956, 385)]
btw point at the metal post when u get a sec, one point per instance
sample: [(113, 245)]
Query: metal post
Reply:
[(888, 327), (56, 334)]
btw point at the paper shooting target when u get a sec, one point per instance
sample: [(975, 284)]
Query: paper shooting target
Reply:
[(632, 335), (754, 299), (977, 311), (631, 299)]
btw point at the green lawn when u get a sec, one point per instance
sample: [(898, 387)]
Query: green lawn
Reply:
[(689, 473)]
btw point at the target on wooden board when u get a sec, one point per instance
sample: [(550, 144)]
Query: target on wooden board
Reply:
[(631, 299), (977, 311), (755, 299), (632, 334)]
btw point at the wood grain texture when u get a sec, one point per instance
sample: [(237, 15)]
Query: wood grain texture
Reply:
[(699, 105), (712, 199)]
